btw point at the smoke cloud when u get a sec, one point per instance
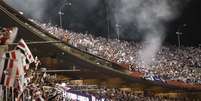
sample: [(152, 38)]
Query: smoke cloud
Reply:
[(33, 8), (150, 17)]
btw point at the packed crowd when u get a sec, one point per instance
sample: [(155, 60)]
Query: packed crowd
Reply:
[(58, 91), (66, 93), (116, 94), (170, 62)]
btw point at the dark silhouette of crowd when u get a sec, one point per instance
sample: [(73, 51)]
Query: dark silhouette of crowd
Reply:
[(113, 94)]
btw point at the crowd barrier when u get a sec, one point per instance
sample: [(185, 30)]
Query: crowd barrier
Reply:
[(183, 85), (176, 83)]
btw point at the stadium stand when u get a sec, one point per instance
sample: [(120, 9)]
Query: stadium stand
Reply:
[(171, 66)]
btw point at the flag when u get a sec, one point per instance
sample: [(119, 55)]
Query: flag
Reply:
[(1, 93), (17, 58), (36, 62), (149, 78), (3, 49), (22, 46), (157, 78), (3, 66), (10, 61), (153, 78), (20, 81)]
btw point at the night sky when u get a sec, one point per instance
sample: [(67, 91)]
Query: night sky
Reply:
[(93, 16), (191, 16), (83, 19)]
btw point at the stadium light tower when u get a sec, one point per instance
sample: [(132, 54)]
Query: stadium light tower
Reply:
[(117, 30), (62, 13), (179, 39), (179, 33)]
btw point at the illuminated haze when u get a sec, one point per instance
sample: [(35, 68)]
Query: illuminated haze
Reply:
[(35, 8), (42, 9), (150, 17)]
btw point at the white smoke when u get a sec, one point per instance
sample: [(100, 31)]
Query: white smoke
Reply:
[(35, 8), (150, 17)]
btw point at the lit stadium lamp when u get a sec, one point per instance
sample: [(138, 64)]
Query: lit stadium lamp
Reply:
[(60, 18), (21, 12)]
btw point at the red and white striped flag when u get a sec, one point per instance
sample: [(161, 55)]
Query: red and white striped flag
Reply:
[(20, 78), (10, 62), (3, 65), (22, 46), (25, 51)]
